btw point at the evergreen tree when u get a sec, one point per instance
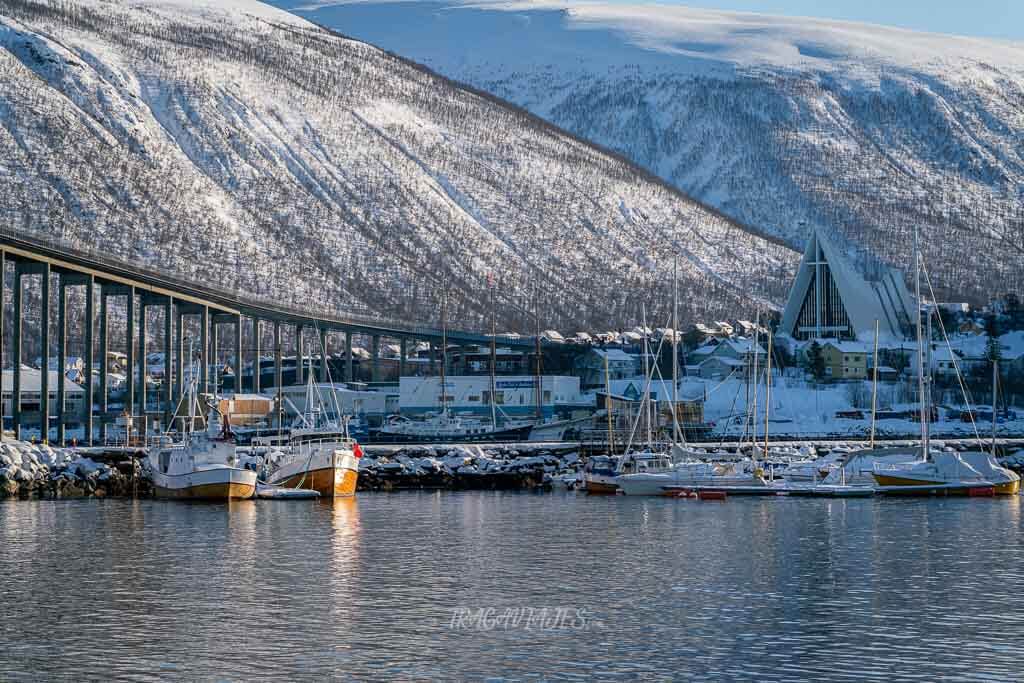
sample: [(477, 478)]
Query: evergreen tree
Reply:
[(816, 360)]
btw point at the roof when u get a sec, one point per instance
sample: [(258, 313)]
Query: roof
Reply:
[(31, 381), (731, 362), (614, 354), (743, 345), (844, 346)]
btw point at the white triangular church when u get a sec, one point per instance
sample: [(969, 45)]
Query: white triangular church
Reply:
[(839, 294)]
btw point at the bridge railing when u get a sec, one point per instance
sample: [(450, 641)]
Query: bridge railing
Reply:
[(174, 279)]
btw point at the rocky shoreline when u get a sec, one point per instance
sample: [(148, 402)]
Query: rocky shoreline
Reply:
[(40, 471), (465, 468), (30, 470)]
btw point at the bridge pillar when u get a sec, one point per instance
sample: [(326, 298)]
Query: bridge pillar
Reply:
[(62, 351), (143, 367), (104, 362), (236, 362), (3, 280), (214, 355), (16, 349), (90, 347), (255, 355), (349, 372), (129, 395), (299, 360), (204, 349), (323, 355), (278, 369), (375, 358), (44, 385), (168, 357), (463, 360), (179, 356), (403, 356), (433, 358)]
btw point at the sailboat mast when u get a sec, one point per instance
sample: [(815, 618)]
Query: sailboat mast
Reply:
[(494, 355), (995, 402), (768, 393), (755, 349), (646, 405), (874, 387), (444, 349), (920, 343), (608, 404), (676, 432), (537, 377)]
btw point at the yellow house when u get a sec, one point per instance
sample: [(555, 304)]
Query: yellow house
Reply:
[(845, 360)]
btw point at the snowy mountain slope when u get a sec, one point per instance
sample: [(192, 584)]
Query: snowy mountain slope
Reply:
[(781, 123), (240, 144)]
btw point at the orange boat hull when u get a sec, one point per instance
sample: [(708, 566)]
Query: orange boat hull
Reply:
[(329, 482)]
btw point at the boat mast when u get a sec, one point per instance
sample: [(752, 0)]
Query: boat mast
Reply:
[(608, 404), (755, 348), (920, 345), (995, 403), (874, 387), (444, 349), (768, 393), (494, 354), (537, 395), (645, 406), (677, 435)]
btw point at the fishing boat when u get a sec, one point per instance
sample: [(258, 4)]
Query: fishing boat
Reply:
[(199, 466), (318, 454), (447, 427)]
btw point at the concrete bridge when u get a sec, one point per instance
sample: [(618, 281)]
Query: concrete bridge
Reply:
[(142, 287)]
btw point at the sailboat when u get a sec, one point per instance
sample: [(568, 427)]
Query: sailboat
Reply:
[(937, 471), (671, 475), (198, 467), (319, 454)]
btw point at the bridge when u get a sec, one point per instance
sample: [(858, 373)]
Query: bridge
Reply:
[(142, 287)]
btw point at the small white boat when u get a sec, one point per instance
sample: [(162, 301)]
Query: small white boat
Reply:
[(267, 492), (693, 476)]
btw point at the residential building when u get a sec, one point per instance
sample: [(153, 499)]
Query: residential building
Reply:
[(590, 367), (844, 360)]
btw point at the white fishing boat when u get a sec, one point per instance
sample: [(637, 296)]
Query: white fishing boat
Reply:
[(199, 466), (695, 476)]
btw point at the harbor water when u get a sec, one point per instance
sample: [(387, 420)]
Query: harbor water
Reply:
[(414, 586)]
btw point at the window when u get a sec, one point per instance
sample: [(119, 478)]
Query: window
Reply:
[(547, 397), (499, 398), (473, 399)]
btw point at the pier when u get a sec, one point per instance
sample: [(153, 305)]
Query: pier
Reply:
[(147, 294)]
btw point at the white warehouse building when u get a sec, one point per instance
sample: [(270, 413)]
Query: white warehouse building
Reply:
[(514, 396)]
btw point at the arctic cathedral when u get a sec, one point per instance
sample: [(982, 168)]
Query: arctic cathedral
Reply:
[(841, 291)]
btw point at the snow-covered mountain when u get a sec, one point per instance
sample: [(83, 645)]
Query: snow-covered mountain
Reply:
[(238, 143), (780, 123)]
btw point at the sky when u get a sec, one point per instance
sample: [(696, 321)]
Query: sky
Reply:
[(986, 18)]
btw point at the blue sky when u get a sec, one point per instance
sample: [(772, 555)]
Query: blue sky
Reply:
[(989, 18)]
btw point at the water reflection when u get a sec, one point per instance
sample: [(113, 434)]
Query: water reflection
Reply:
[(366, 588)]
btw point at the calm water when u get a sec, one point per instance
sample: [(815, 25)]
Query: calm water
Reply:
[(391, 587)]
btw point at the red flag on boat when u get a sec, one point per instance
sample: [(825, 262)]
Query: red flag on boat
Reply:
[(357, 451)]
